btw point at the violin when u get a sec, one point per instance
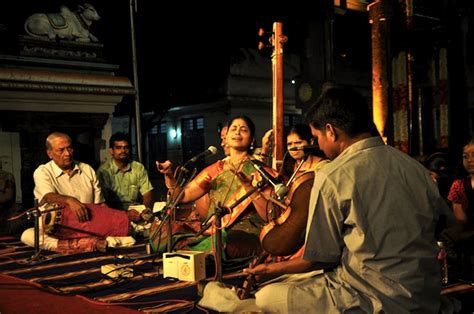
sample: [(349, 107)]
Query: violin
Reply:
[(286, 234)]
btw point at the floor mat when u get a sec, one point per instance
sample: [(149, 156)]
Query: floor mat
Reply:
[(80, 275)]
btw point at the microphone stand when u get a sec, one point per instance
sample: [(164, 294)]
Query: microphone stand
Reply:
[(220, 212), (36, 258), (172, 202)]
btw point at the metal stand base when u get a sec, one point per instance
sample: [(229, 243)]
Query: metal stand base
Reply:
[(37, 258)]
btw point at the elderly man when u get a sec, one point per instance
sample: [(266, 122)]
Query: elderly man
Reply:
[(68, 182), (371, 224), (124, 181)]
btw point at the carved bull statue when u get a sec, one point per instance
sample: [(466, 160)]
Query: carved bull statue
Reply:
[(64, 25)]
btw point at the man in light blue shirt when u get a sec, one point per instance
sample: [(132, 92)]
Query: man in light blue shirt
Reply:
[(124, 182)]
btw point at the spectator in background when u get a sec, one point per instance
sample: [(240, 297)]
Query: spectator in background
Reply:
[(224, 145), (8, 207), (461, 194), (437, 165), (124, 182), (459, 236)]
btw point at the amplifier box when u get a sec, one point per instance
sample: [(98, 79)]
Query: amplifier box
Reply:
[(184, 265)]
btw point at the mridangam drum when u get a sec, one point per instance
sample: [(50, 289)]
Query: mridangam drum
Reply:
[(104, 221)]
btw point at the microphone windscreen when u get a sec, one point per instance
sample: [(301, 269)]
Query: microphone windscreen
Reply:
[(212, 150)]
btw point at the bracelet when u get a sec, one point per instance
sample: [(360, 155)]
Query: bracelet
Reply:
[(170, 179), (264, 155)]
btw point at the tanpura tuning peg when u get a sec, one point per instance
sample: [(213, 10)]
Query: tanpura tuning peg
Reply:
[(261, 45)]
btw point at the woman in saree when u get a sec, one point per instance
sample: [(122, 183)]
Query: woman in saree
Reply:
[(226, 181), (299, 166), (299, 137)]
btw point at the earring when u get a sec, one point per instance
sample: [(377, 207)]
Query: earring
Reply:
[(252, 145)]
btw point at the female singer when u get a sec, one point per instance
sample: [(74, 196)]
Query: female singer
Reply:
[(226, 181)]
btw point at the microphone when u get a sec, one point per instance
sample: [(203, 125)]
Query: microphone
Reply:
[(306, 148), (211, 150), (281, 190)]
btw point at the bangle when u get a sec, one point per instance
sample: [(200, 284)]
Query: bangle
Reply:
[(264, 155)]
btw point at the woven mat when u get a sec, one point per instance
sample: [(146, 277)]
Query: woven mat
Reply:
[(80, 274)]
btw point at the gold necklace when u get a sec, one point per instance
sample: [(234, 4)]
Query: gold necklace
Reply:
[(235, 167)]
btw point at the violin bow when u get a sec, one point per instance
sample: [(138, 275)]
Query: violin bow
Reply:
[(249, 282)]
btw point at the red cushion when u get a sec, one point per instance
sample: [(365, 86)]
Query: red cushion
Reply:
[(104, 221)]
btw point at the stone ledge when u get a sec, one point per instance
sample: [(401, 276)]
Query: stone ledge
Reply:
[(63, 49), (32, 80)]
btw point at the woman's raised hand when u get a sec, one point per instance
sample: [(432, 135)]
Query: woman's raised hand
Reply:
[(267, 143), (164, 167)]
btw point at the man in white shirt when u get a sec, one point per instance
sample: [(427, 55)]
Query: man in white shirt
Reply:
[(64, 181)]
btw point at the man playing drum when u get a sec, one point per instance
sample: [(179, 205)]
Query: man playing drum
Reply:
[(73, 184)]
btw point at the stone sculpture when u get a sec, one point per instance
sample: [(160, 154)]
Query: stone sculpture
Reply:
[(66, 24)]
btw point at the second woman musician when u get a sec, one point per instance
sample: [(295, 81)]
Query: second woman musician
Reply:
[(303, 159), (298, 138)]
